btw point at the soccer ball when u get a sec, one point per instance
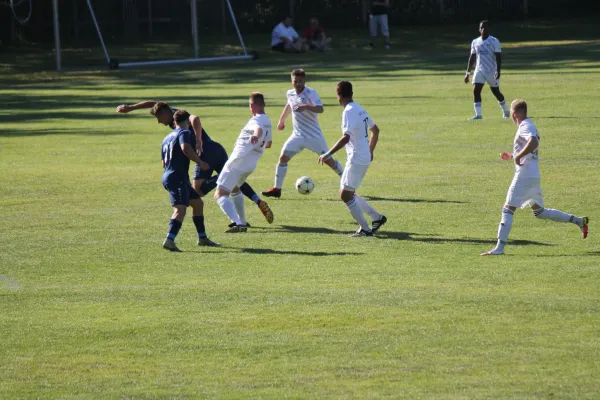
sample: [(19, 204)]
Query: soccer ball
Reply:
[(305, 185)]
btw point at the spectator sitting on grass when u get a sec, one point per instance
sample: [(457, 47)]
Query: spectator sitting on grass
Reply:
[(316, 38), (285, 38)]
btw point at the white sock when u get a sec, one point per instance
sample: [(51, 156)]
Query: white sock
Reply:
[(366, 208), (358, 214), (477, 109), (556, 215), (238, 201), (228, 208), (280, 172), (504, 228), (338, 168), (503, 106)]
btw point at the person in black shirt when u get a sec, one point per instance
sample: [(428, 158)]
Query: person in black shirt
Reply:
[(378, 20)]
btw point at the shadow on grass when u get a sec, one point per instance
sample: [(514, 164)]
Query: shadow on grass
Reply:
[(400, 200), (561, 117), (588, 254), (264, 251)]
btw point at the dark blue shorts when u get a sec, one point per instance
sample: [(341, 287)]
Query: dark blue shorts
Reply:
[(181, 193), (215, 156)]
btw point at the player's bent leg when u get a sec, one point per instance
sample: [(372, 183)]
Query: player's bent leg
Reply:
[(501, 101), (197, 185), (174, 227), (378, 220), (347, 196), (504, 228), (559, 216)]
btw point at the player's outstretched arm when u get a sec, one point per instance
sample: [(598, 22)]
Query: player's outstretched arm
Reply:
[(336, 147), (125, 108), (374, 139), (286, 111)]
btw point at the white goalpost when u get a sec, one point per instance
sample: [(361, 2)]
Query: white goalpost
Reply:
[(114, 64)]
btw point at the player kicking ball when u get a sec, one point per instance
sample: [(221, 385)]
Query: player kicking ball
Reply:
[(486, 50), (177, 149), (212, 154), (249, 147), (525, 187), (356, 124), (304, 104)]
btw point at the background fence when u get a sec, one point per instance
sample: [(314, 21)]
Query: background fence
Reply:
[(133, 20)]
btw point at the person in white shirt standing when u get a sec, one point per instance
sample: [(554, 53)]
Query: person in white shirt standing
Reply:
[(284, 38), (485, 50), (525, 189), (249, 147), (356, 125), (304, 104)]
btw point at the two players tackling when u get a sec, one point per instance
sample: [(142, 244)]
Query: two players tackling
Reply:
[(356, 125), (487, 57), (304, 104), (525, 189)]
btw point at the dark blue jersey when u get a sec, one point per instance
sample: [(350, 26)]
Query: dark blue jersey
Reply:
[(205, 138), (177, 164)]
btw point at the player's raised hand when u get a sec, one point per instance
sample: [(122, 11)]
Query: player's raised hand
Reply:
[(505, 156), (281, 125), (124, 109)]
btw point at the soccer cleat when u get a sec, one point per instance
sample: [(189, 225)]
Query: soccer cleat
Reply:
[(361, 232), (169, 244), (273, 192), (231, 225), (506, 115), (266, 210), (237, 229), (494, 252), (475, 117), (206, 242), (378, 224), (584, 227)]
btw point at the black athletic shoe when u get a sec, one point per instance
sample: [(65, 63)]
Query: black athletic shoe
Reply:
[(361, 232), (231, 225), (169, 244), (207, 242), (378, 224)]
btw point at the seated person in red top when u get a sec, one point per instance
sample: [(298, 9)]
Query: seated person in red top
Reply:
[(316, 38)]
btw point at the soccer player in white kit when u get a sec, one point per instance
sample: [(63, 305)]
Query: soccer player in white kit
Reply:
[(356, 124), (486, 51), (249, 147), (525, 188), (304, 104)]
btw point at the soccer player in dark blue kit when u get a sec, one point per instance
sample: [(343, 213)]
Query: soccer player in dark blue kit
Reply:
[(177, 149), (211, 152)]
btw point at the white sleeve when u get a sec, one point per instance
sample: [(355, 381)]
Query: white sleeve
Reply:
[(293, 33), (347, 124), (315, 99), (497, 46), (370, 122), (527, 131), (473, 47)]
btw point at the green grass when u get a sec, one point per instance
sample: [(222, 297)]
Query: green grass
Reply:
[(92, 307)]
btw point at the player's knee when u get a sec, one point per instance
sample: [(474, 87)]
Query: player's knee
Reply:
[(508, 210), (179, 212), (346, 195), (284, 158)]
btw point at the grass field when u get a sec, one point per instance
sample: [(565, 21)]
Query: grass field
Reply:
[(93, 307)]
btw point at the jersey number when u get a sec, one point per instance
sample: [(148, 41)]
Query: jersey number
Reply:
[(168, 151), (366, 127), (265, 136)]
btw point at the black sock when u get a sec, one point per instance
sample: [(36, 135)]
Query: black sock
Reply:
[(174, 227), (249, 193), (199, 222)]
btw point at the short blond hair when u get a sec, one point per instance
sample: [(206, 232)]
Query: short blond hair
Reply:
[(519, 105)]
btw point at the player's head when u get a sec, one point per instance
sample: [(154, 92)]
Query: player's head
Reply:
[(344, 92), (163, 113), (483, 27), (287, 21), (257, 103), (182, 119), (298, 79), (314, 22), (518, 110)]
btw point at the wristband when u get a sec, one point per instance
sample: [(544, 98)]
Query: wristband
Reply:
[(468, 73), (328, 154)]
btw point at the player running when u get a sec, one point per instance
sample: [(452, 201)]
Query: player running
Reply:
[(177, 149), (525, 188), (211, 152), (356, 124), (304, 104), (486, 50), (249, 147)]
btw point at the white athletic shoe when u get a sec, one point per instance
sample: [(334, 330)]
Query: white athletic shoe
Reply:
[(494, 252)]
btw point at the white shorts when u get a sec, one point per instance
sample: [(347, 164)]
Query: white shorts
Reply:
[(482, 77), (380, 21), (353, 176), (295, 144), (230, 178), (524, 191)]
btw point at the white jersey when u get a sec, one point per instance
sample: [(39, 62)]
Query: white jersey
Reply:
[(245, 155), (525, 131), (356, 124), (305, 123), (486, 53), (280, 31)]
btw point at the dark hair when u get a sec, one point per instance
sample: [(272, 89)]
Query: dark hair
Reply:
[(258, 98), (344, 89), (158, 107), (485, 22), (299, 72), (181, 116)]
